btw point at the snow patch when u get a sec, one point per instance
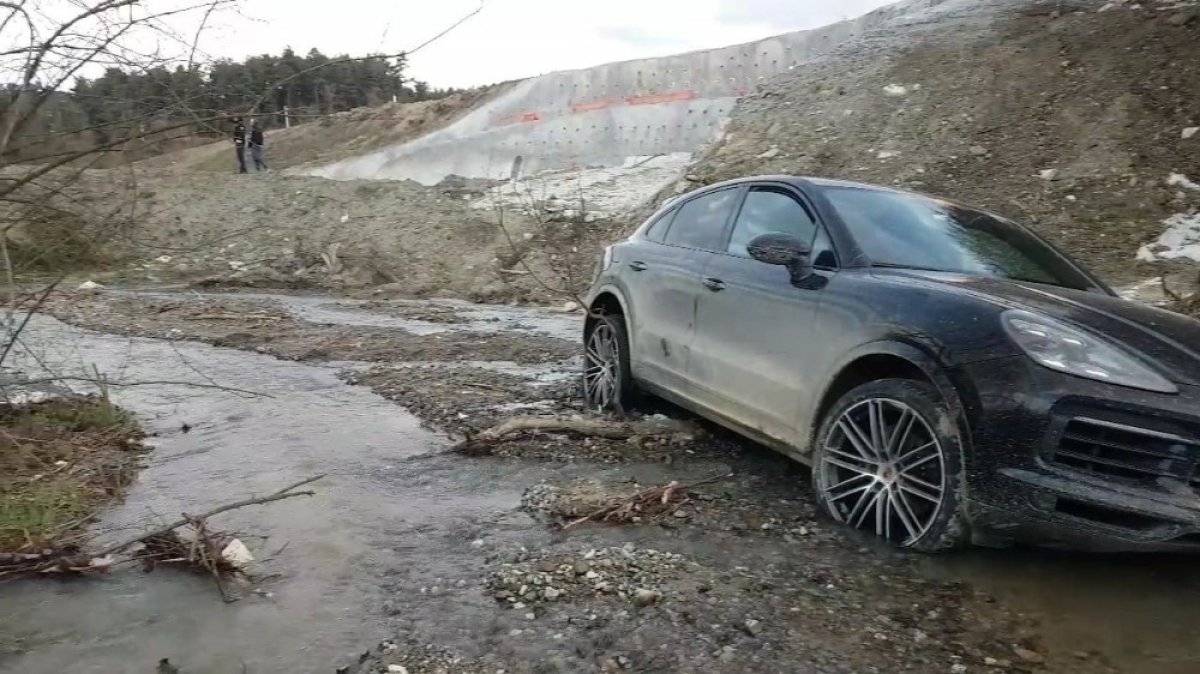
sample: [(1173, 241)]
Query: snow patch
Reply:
[(1180, 180), (1181, 240)]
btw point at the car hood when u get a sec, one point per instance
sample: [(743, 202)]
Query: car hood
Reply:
[(1169, 339)]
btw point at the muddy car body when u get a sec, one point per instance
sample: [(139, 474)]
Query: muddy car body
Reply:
[(950, 376)]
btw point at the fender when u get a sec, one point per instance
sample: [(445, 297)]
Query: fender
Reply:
[(952, 389), (615, 291)]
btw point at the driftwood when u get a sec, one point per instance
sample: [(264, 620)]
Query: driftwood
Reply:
[(235, 317), (651, 503), (600, 428), (202, 550)]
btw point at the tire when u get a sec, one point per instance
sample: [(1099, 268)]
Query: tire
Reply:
[(888, 459), (607, 378)]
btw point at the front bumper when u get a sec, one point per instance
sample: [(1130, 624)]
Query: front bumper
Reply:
[(1066, 461)]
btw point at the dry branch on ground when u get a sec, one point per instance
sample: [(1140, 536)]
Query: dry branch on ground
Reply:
[(646, 504), (590, 427), (199, 547)]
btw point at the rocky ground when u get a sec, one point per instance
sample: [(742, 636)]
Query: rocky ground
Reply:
[(735, 572)]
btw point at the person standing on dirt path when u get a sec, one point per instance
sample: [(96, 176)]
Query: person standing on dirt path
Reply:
[(256, 146), (239, 143)]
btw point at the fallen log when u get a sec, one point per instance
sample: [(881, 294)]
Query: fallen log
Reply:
[(601, 428)]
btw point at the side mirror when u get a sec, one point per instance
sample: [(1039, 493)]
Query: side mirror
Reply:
[(783, 250)]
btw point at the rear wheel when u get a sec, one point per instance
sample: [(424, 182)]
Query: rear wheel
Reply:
[(607, 381), (888, 460)]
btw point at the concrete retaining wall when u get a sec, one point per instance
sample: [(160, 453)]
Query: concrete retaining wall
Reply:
[(602, 115)]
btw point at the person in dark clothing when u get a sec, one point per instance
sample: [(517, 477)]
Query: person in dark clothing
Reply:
[(256, 146), (239, 143)]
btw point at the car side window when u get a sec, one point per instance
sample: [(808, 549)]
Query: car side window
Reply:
[(700, 223), (659, 227), (773, 211), (768, 211)]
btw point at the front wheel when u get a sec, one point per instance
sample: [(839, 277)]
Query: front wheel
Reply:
[(607, 379), (888, 460)]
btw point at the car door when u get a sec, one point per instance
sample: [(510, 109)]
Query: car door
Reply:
[(753, 325), (664, 278)]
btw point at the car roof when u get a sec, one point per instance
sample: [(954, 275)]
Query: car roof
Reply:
[(801, 180)]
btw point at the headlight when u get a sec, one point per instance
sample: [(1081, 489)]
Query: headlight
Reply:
[(1059, 346)]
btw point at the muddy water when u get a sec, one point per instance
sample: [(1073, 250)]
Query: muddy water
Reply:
[(474, 317), (1140, 611), (326, 603)]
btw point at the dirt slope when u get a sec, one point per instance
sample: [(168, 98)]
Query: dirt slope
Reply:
[(978, 110), (341, 135), (272, 230)]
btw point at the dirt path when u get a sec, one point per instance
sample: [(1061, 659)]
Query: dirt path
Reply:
[(473, 575)]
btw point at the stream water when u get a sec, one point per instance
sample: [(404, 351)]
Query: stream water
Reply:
[(389, 509), (305, 423)]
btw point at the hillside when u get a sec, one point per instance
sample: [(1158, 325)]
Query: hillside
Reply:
[(1076, 121)]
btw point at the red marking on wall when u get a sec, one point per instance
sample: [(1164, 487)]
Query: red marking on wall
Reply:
[(522, 118), (655, 99), (590, 106), (577, 108)]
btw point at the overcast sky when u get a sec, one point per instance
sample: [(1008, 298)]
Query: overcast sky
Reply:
[(511, 39)]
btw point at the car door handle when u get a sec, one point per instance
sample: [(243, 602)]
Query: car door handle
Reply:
[(714, 284), (637, 265)]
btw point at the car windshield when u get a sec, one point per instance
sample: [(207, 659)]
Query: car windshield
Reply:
[(910, 231)]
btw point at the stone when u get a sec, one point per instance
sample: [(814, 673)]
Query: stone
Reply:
[(1190, 132), (771, 153), (1184, 18), (645, 597), (752, 627), (551, 593), (979, 150), (398, 669), (1028, 655)]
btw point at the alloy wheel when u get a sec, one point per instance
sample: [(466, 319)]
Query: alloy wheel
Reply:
[(602, 371), (883, 469)]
